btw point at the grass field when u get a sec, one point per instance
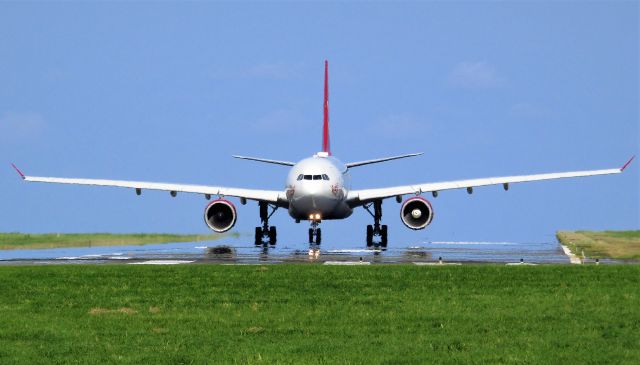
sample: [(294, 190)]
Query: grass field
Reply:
[(602, 244), (313, 314), (9, 241)]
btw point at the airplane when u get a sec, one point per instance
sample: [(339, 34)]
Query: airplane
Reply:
[(319, 188)]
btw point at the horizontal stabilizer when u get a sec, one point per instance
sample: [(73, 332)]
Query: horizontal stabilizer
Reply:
[(378, 160), (275, 162)]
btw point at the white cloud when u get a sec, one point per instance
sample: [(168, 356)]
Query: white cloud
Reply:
[(475, 75), (20, 126)]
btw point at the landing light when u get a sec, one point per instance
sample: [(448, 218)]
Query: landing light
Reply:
[(310, 216), (318, 216)]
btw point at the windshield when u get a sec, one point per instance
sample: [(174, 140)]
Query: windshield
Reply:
[(313, 177)]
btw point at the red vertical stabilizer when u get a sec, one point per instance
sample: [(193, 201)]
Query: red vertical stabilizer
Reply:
[(326, 145)]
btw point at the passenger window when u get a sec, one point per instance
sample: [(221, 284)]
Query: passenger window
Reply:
[(325, 177), (317, 177), (300, 177), (307, 177)]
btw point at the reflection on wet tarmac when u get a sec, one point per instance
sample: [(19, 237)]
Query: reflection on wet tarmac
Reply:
[(238, 251)]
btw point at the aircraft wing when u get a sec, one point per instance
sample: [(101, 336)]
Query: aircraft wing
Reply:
[(358, 197), (271, 196)]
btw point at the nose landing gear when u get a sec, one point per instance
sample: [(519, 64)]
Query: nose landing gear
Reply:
[(266, 233), (376, 230), (315, 232)]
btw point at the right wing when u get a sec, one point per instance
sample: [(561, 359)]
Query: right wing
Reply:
[(359, 197), (271, 196)]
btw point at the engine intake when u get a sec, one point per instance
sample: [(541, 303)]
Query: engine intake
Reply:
[(220, 215), (416, 213)]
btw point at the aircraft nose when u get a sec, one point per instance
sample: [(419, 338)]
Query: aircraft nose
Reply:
[(312, 197)]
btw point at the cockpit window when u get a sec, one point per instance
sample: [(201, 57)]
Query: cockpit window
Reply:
[(317, 177), (307, 177), (300, 177), (325, 177)]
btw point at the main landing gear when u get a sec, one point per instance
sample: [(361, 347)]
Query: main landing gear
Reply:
[(376, 230), (266, 234), (315, 234)]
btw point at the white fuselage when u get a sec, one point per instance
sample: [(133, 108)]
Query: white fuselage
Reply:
[(318, 187)]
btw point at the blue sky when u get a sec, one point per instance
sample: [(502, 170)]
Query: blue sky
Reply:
[(168, 91)]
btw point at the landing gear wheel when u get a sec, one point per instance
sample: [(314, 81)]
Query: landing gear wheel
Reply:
[(265, 231), (315, 234), (272, 235), (369, 235), (376, 229), (258, 236), (383, 236)]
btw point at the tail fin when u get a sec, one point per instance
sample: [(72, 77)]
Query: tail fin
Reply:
[(326, 145)]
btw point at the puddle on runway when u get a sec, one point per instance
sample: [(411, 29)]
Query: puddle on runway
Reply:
[(243, 253)]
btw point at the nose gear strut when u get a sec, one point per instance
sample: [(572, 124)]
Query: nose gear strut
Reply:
[(266, 234), (377, 230), (315, 232)]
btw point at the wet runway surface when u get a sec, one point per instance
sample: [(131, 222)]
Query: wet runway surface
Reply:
[(238, 251)]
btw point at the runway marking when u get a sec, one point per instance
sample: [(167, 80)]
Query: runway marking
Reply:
[(572, 257), (161, 262), (347, 263), (520, 263), (435, 263), (470, 243), (355, 250)]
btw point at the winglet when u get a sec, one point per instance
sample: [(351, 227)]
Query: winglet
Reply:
[(19, 172), (627, 164)]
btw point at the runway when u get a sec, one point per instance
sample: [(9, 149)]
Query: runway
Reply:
[(238, 251)]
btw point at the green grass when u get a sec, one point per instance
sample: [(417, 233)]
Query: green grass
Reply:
[(10, 241), (313, 314), (602, 244)]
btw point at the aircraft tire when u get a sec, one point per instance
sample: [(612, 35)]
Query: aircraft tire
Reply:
[(272, 235), (310, 235), (383, 235), (258, 236), (369, 235), (318, 236)]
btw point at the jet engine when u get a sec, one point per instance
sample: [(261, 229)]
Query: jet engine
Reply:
[(220, 215), (416, 213)]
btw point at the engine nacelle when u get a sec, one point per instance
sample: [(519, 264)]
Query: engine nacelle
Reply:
[(416, 213), (220, 215)]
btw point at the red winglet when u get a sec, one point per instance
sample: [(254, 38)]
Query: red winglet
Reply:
[(627, 164), (19, 172)]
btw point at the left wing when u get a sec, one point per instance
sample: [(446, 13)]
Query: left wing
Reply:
[(271, 196), (358, 197)]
